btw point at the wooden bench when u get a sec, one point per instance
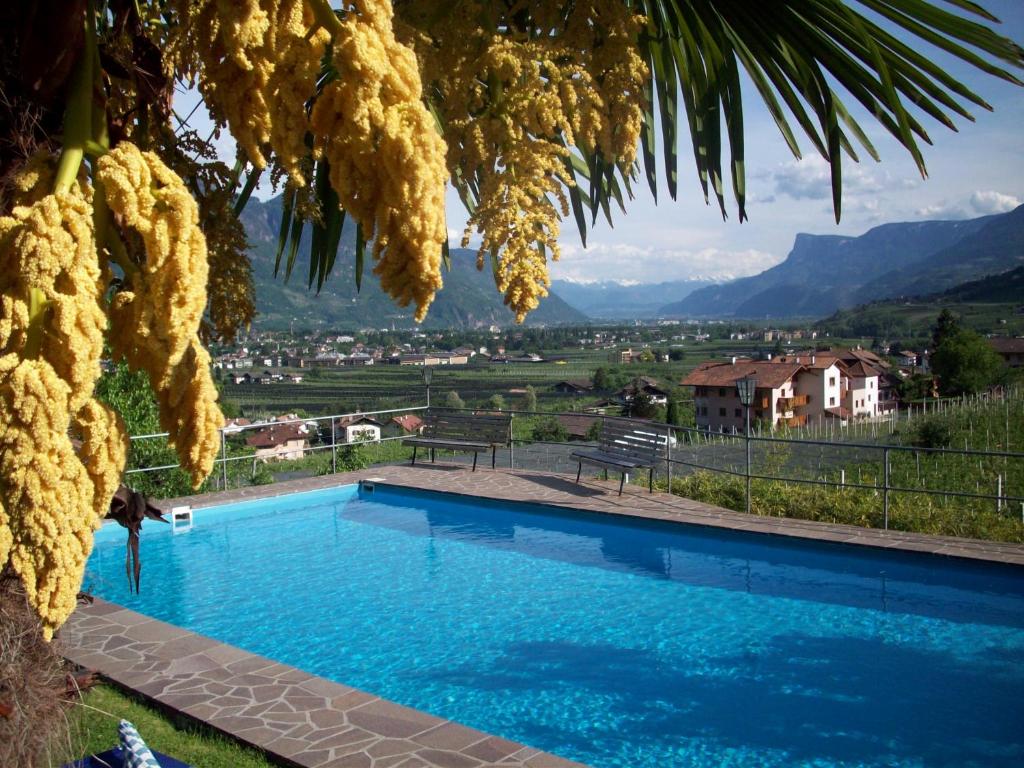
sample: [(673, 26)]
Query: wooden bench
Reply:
[(622, 446), (462, 432)]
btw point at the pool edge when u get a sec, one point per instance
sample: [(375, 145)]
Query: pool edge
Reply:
[(559, 491), (296, 718)]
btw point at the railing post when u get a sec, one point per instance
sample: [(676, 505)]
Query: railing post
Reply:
[(746, 436), (885, 488), (334, 448), (224, 458), (511, 443), (668, 459)]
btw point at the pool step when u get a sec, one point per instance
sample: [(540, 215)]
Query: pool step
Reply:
[(181, 519)]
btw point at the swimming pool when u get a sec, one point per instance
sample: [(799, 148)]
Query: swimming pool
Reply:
[(611, 642)]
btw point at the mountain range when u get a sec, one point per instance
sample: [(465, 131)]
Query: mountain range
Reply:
[(821, 274), (824, 273), (613, 300), (469, 298)]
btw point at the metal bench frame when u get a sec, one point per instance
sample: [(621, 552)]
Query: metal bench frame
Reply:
[(622, 446), (462, 432)]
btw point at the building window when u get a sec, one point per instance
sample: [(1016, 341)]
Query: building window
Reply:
[(871, 385), (738, 413), (721, 411), (831, 401), (721, 393), (869, 398)]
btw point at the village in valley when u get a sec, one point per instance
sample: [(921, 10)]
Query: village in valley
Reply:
[(685, 374)]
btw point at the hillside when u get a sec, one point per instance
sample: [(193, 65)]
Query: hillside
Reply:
[(823, 273), (613, 300), (469, 298), (994, 304)]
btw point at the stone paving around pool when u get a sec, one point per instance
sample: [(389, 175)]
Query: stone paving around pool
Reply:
[(302, 720)]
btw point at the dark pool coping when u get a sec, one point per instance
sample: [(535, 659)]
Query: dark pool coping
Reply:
[(598, 496), (302, 720)]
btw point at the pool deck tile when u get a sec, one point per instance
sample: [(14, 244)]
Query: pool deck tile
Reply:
[(308, 722), (297, 719)]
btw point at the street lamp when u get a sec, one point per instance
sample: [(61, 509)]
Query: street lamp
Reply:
[(428, 373), (746, 388)]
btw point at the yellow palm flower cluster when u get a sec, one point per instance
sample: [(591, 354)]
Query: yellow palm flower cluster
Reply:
[(387, 160), (51, 340), (257, 68), (514, 97), (154, 323)]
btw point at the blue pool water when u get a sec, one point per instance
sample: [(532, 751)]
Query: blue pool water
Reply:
[(634, 644)]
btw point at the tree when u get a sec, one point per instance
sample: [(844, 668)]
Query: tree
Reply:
[(530, 398), (496, 402), (965, 363), (946, 326), (672, 415), (549, 430), (675, 354), (601, 379), (88, 90), (452, 400), (642, 406)]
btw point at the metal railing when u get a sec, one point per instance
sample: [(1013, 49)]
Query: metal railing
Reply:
[(225, 432), (687, 450)]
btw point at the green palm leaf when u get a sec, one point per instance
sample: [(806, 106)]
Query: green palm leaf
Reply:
[(806, 59)]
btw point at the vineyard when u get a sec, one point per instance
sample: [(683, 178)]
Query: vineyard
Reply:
[(391, 386)]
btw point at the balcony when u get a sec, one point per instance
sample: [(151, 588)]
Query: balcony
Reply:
[(789, 403)]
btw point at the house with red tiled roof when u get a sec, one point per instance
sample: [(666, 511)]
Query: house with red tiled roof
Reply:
[(717, 403), (861, 395), (1010, 349), (280, 441), (793, 390), (408, 423), (819, 386), (357, 429)]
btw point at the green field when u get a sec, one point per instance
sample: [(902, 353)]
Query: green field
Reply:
[(380, 387), (912, 320)]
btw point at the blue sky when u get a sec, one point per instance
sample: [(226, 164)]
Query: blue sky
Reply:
[(977, 171)]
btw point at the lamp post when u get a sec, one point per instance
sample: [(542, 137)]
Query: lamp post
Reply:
[(428, 372), (746, 387)]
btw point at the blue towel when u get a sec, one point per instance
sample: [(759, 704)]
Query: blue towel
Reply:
[(136, 753)]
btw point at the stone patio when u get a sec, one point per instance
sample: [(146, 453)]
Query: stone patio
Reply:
[(302, 720)]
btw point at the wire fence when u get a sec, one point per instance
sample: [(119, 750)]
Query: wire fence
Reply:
[(879, 468)]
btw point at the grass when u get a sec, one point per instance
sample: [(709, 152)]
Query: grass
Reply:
[(94, 731)]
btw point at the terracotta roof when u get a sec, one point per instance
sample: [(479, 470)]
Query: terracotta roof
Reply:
[(851, 356), (348, 421), (1007, 346), (821, 360), (410, 422), (769, 373), (577, 425), (860, 369), (279, 434)]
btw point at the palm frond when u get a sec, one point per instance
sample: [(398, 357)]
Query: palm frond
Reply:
[(820, 67)]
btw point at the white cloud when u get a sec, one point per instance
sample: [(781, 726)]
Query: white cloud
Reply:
[(642, 264), (810, 178), (990, 201), (979, 203), (943, 209)]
